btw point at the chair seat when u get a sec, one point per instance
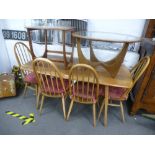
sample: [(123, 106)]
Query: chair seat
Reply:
[(117, 93), (114, 92), (48, 88), (83, 94), (30, 78)]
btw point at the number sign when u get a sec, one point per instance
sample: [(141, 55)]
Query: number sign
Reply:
[(15, 35)]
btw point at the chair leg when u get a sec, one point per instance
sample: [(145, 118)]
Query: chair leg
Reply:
[(25, 89), (101, 110), (63, 106), (105, 115), (65, 97), (98, 103), (122, 111), (106, 101), (42, 102), (38, 98), (70, 108), (94, 115), (36, 89)]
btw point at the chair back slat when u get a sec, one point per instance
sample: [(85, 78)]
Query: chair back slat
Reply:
[(48, 76), (77, 81), (88, 85), (20, 56), (83, 83), (57, 85), (21, 48), (47, 79), (93, 85)]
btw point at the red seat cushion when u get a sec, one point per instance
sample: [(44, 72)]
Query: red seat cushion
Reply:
[(114, 92), (117, 92), (30, 78), (49, 89), (84, 95)]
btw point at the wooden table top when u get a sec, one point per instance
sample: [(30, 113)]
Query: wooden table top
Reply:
[(63, 28), (122, 79), (106, 37)]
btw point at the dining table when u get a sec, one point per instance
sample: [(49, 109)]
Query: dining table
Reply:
[(122, 79)]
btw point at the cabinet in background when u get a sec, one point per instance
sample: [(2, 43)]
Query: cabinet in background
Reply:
[(144, 91)]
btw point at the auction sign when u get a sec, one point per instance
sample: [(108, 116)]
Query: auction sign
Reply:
[(15, 35)]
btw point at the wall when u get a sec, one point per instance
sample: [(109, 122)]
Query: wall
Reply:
[(14, 24), (125, 26), (5, 65), (133, 27)]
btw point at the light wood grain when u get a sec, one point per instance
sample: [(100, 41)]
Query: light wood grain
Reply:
[(122, 79)]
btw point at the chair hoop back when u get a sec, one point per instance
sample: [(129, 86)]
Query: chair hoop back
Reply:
[(138, 70), (48, 77), (83, 83), (22, 53)]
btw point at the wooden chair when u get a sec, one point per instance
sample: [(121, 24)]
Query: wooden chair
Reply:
[(121, 94), (23, 55), (83, 87), (50, 82)]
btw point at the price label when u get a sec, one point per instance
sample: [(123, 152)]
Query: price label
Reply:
[(15, 35)]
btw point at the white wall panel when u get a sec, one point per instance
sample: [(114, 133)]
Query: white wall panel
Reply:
[(124, 26), (5, 65)]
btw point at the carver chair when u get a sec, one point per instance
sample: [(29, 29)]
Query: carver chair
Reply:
[(50, 82), (121, 94), (23, 56), (83, 87)]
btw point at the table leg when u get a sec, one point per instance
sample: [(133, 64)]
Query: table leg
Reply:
[(29, 32), (81, 57), (106, 105), (64, 48), (45, 52), (112, 66)]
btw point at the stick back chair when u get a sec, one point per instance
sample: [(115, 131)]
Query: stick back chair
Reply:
[(23, 56), (121, 94), (83, 87), (50, 82)]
